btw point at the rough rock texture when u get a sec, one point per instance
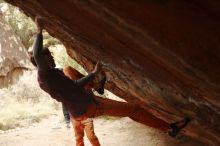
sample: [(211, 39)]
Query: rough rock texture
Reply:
[(162, 54), (13, 56)]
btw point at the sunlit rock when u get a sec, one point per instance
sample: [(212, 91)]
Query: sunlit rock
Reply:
[(13, 55)]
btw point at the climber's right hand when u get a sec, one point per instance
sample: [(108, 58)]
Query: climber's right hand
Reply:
[(39, 21), (98, 68)]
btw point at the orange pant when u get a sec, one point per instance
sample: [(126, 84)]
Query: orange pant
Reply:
[(104, 106), (86, 124)]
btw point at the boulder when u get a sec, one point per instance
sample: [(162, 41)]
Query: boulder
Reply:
[(13, 56)]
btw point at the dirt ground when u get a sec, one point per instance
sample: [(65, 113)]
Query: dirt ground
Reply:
[(111, 132)]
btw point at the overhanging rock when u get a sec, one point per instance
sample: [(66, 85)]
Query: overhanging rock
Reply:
[(163, 55)]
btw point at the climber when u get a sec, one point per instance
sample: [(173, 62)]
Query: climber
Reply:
[(80, 102), (79, 125)]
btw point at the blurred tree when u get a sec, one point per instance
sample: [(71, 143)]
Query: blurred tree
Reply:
[(22, 25)]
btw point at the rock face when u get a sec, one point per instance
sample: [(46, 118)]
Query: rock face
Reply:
[(13, 56), (161, 54)]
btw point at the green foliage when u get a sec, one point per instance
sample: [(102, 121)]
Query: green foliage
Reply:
[(22, 25), (63, 59)]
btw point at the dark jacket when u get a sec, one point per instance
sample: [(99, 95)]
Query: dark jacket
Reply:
[(60, 87)]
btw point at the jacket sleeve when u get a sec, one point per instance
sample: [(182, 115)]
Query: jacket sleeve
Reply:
[(85, 80), (38, 53)]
